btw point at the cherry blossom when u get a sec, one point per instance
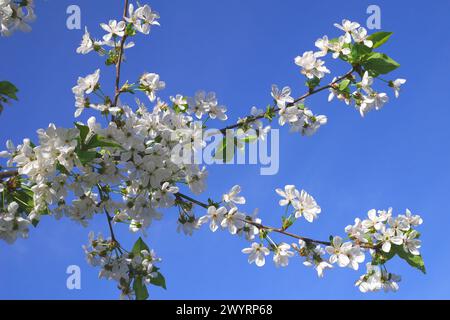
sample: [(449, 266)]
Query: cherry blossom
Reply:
[(257, 253), (119, 164)]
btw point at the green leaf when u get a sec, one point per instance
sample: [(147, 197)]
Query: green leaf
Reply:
[(84, 131), (140, 289), (382, 257), (379, 38), (139, 245), (61, 168), (379, 63), (8, 89), (97, 141), (263, 234), (24, 199), (249, 139), (287, 222), (226, 150), (242, 136), (359, 51), (344, 84), (159, 281), (313, 83), (414, 261), (86, 156), (269, 114)]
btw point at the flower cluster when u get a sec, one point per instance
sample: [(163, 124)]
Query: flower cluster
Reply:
[(311, 66), (303, 203), (360, 52), (355, 47), (229, 217), (139, 20), (377, 279), (12, 225), (16, 15), (132, 270), (383, 236), (296, 114), (121, 162)]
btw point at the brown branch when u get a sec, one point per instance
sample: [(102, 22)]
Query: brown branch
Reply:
[(258, 225), (111, 231), (304, 96), (8, 174), (119, 61)]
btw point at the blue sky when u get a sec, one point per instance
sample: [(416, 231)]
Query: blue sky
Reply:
[(398, 157)]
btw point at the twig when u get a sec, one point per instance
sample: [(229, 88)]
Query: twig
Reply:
[(258, 225), (8, 174), (310, 93), (119, 61)]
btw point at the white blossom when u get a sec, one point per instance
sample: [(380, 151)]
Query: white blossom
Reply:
[(388, 237), (323, 44), (232, 197), (257, 253), (360, 35), (411, 243), (306, 206), (282, 97), (339, 251), (12, 225), (215, 216), (151, 83), (113, 29), (233, 220), (348, 27), (282, 255), (311, 66), (87, 45), (396, 84), (290, 194), (339, 47)]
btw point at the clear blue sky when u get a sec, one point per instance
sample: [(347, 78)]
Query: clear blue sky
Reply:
[(398, 157)]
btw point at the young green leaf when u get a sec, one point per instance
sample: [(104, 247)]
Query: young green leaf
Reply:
[(84, 131), (313, 83), (382, 257), (359, 52), (344, 84), (140, 289), (379, 63), (8, 89), (159, 281), (139, 245), (97, 141), (86, 156), (414, 261), (379, 38), (225, 152)]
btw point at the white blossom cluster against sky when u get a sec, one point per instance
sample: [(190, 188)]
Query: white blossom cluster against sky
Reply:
[(396, 158)]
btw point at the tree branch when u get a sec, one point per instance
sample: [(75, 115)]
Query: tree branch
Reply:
[(8, 174), (257, 225), (310, 93), (119, 61)]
